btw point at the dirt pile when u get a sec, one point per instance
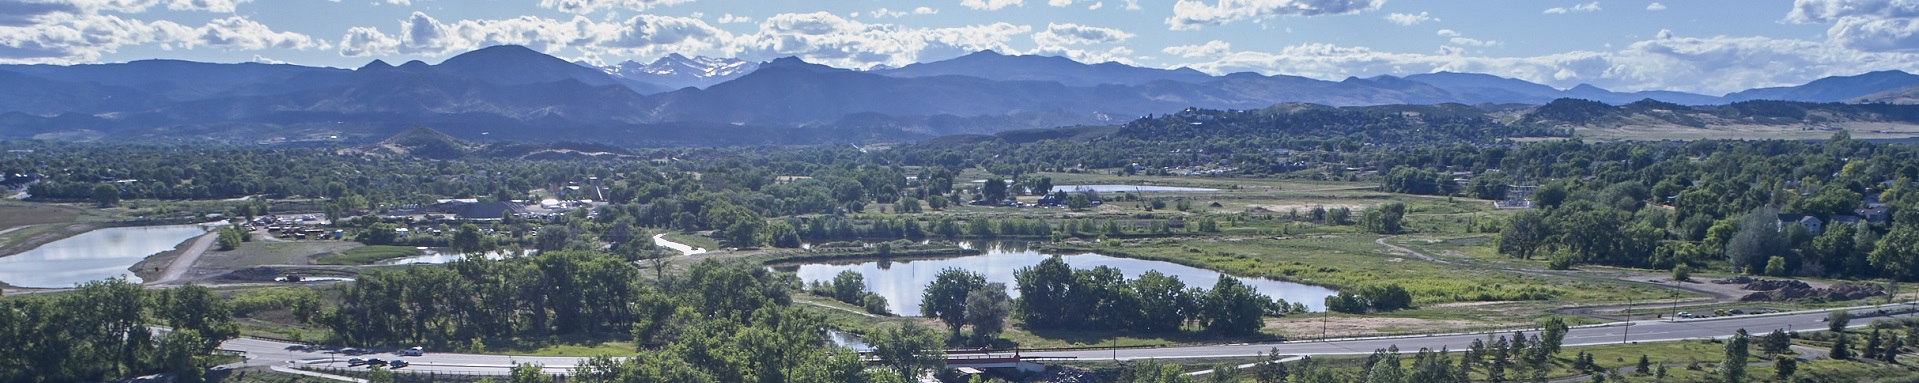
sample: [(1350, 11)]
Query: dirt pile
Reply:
[(1787, 289)]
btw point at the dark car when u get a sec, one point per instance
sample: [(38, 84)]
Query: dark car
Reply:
[(352, 351), (375, 362), (397, 364), (355, 362)]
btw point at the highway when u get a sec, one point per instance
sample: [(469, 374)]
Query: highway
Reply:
[(264, 352)]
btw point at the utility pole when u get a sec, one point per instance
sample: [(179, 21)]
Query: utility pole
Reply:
[(1324, 315), (1675, 300), (1624, 338)]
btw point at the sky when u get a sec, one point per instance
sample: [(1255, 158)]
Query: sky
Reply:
[(1703, 46)]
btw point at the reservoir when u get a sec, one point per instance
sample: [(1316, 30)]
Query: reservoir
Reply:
[(92, 256), (902, 282)]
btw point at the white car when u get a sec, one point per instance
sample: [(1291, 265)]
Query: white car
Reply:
[(415, 351), (1685, 315)]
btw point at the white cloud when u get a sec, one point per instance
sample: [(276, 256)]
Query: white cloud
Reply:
[(730, 18), (367, 41), (1408, 19), (885, 13), (1869, 25), (591, 6), (1132, 5), (1096, 6), (224, 6), (1213, 48), (238, 33), (1075, 34), (1587, 7), (1709, 65), (830, 39), (991, 5), (77, 32), (1114, 54), (1059, 3), (1655, 7), (1195, 14), (643, 35), (1474, 42), (400, 2), (1448, 33)]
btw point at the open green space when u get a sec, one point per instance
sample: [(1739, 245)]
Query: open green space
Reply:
[(367, 255)]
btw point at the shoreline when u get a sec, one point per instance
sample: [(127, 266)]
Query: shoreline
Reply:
[(154, 267)]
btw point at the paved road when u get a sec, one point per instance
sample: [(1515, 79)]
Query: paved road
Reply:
[(684, 249), (185, 261), (261, 352)]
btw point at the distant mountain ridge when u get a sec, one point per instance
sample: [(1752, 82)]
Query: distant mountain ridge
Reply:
[(514, 92), (676, 71)]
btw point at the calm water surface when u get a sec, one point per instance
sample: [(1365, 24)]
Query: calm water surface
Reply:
[(903, 281), (92, 256)]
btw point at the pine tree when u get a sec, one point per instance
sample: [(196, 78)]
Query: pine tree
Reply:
[(1841, 347), (1644, 366), (1872, 345)]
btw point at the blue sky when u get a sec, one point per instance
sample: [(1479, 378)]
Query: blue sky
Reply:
[(1706, 46)]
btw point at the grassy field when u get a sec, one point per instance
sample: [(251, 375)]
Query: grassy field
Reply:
[(263, 253), (367, 255), (698, 241)]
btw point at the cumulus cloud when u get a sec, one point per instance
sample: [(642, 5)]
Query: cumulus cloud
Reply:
[(992, 5), (730, 18), (1448, 33), (15, 13), (1655, 7), (643, 35), (1408, 19), (884, 13), (238, 33), (1587, 7), (1072, 34), (1474, 42), (1213, 48), (224, 6), (1195, 14), (833, 40), (1869, 25), (591, 6), (1710, 65), (77, 31)]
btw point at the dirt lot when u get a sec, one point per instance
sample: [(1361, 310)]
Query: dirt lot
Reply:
[(258, 253)]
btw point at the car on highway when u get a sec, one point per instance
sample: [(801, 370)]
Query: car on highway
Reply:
[(375, 362), (352, 351), (397, 364), (355, 362), (1685, 315), (415, 351)]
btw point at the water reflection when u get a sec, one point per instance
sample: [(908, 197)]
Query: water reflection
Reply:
[(92, 256), (902, 281)]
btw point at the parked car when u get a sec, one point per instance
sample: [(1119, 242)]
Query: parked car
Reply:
[(397, 364), (415, 351), (1685, 315), (355, 362)]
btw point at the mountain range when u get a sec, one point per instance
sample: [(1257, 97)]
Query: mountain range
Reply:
[(511, 92)]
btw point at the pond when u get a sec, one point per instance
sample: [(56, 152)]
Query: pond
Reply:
[(93, 255), (1128, 188), (441, 255), (902, 282)]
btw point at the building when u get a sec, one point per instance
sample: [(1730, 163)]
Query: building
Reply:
[(1812, 224)]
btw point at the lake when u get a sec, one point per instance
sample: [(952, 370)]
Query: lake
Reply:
[(92, 256), (1128, 188), (902, 282)]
